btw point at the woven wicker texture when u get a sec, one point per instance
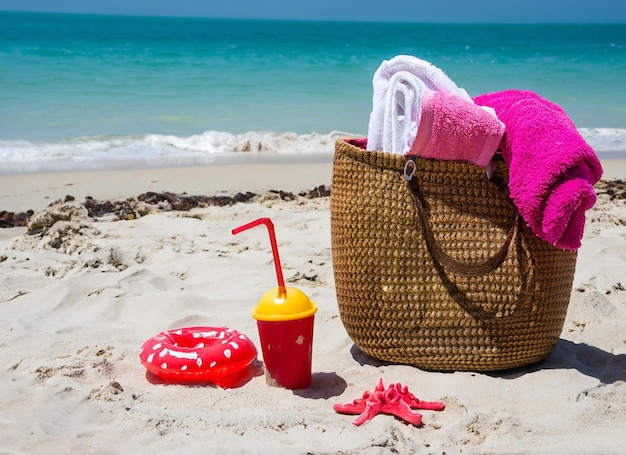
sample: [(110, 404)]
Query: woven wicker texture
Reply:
[(440, 272)]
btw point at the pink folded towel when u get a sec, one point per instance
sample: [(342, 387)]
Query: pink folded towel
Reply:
[(552, 169), (453, 128)]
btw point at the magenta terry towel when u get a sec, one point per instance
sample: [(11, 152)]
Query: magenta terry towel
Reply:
[(552, 169), (453, 128)]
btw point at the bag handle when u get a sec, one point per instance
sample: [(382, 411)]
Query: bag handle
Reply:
[(445, 263), (469, 268)]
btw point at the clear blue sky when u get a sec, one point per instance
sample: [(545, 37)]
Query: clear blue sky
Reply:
[(360, 10)]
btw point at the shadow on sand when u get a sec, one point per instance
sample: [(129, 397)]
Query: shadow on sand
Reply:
[(589, 360)]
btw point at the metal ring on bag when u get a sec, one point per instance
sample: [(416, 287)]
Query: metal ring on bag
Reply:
[(408, 176)]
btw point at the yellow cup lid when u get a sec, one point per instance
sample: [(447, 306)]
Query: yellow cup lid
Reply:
[(288, 306)]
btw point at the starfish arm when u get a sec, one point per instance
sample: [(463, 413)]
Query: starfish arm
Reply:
[(356, 407), (372, 409), (416, 403), (429, 405), (404, 412)]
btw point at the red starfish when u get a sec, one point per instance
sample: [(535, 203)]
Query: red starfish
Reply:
[(395, 400)]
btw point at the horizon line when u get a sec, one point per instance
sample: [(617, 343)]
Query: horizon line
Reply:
[(362, 21)]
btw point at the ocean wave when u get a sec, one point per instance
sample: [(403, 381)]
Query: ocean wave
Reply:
[(606, 140), (155, 150)]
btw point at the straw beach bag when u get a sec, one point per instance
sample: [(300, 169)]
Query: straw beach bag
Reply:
[(435, 268)]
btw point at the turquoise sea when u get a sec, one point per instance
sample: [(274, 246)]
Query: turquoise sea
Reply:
[(86, 91)]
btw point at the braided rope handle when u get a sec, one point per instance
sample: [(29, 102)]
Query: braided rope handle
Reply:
[(452, 265), (444, 263)]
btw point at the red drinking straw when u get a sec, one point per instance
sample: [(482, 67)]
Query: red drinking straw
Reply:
[(282, 292)]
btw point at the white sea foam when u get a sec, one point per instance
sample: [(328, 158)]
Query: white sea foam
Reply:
[(606, 141), (154, 150)]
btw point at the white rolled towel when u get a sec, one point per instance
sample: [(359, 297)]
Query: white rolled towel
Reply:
[(399, 84)]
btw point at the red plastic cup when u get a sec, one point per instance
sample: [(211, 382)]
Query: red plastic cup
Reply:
[(287, 352), (285, 319)]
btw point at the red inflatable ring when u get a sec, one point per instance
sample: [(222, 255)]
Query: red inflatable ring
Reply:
[(197, 354)]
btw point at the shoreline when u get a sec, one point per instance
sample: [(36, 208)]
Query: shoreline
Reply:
[(21, 192), (228, 175), (238, 178)]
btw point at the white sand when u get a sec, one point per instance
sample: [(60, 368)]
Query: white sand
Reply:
[(74, 317)]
